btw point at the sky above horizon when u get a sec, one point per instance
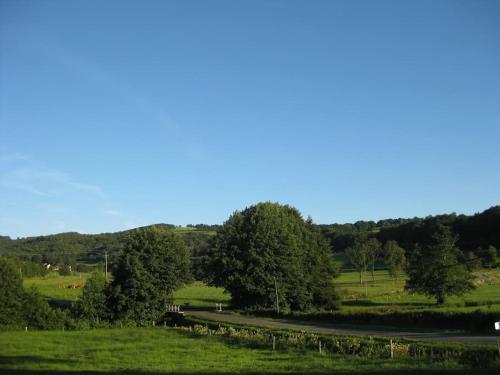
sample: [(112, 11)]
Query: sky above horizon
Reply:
[(118, 114)]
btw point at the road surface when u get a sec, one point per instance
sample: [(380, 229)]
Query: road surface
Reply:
[(311, 327)]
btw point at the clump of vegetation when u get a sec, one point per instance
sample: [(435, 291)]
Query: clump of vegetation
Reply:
[(23, 308), (154, 263)]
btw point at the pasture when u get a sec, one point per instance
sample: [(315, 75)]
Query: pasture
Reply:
[(167, 350), (382, 294), (56, 287), (199, 295)]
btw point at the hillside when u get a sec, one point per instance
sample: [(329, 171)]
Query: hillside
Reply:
[(475, 231)]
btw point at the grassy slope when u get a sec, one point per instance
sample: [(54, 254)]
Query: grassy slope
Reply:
[(159, 350)]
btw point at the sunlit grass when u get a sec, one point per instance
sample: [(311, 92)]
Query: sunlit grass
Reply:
[(56, 287), (383, 293), (198, 294), (160, 350)]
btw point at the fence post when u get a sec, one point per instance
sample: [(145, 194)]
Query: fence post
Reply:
[(392, 350), (274, 342), (319, 346), (26, 329)]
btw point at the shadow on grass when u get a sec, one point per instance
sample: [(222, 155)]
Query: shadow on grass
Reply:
[(366, 302), (20, 359), (201, 304), (248, 372), (59, 303)]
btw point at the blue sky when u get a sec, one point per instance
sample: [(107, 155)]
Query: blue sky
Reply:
[(115, 114)]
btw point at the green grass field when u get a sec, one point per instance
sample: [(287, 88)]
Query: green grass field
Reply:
[(383, 294), (159, 350), (55, 287), (198, 294)]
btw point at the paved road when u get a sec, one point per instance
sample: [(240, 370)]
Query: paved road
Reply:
[(298, 326)]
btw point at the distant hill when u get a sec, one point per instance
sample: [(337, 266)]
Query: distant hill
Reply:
[(473, 231), (73, 248)]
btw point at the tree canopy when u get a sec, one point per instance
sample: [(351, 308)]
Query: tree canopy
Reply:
[(154, 263), (437, 268), (269, 251)]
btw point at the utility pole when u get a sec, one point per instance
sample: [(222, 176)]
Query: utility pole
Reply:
[(106, 269), (277, 300)]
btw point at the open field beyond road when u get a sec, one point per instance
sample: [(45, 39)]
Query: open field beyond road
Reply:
[(382, 294)]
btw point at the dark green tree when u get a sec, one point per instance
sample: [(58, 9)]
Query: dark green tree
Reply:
[(154, 263), (394, 257), (435, 269), (11, 294), (91, 306), (20, 308), (488, 256), (269, 248)]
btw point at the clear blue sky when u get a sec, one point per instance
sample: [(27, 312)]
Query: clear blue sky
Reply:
[(115, 114)]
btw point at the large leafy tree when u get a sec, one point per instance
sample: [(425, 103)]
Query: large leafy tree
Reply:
[(269, 251), (436, 268), (154, 263)]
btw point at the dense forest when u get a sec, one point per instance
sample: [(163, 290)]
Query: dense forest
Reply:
[(85, 252)]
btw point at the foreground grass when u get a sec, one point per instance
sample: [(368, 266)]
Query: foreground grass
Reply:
[(160, 350)]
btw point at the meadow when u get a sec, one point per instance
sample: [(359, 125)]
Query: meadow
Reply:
[(381, 294), (384, 294), (56, 287), (200, 295), (168, 350)]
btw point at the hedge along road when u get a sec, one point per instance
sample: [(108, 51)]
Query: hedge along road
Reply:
[(282, 324)]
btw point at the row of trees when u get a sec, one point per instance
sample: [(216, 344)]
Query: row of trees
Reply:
[(475, 234), (437, 267), (266, 256), (366, 252)]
